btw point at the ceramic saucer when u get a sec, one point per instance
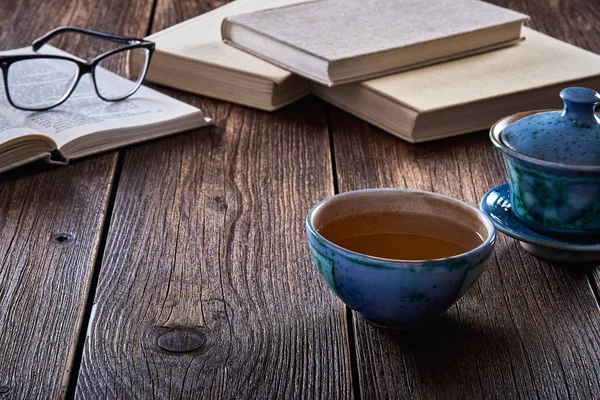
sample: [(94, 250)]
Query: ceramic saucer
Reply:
[(496, 204)]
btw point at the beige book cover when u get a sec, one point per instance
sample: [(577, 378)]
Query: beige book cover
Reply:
[(469, 94), (336, 33), (191, 56)]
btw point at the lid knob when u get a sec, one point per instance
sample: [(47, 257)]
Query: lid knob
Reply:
[(579, 104)]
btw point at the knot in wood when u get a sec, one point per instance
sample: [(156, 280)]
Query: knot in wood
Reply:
[(181, 340), (4, 389), (218, 203)]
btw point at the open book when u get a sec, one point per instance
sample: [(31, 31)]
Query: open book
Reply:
[(85, 124)]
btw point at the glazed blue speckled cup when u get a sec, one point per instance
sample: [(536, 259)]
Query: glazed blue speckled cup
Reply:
[(553, 198), (396, 293)]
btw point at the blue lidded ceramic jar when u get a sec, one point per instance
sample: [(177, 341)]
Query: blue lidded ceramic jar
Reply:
[(553, 163)]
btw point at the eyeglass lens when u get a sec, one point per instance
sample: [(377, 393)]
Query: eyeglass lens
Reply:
[(128, 64), (40, 83)]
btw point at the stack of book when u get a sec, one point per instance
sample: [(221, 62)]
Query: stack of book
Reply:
[(419, 69)]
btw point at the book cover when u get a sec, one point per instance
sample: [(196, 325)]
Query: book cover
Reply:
[(471, 93), (339, 32)]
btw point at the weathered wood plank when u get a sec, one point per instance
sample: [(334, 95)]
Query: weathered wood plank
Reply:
[(207, 247), (51, 223), (527, 329), (169, 13), (206, 288)]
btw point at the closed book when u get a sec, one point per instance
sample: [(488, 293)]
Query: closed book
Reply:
[(472, 93), (340, 41), (191, 56)]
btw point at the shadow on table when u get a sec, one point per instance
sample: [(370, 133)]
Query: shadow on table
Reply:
[(450, 355), (27, 170)]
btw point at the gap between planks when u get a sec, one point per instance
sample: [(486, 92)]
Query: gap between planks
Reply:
[(152, 14), (89, 304)]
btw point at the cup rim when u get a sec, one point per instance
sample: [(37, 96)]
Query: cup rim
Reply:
[(490, 227), (495, 133)]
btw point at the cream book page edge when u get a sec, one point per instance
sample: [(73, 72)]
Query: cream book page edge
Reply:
[(226, 58), (12, 132), (542, 61), (136, 140), (366, 117), (17, 140), (25, 161)]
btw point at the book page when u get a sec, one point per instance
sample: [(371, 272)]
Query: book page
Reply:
[(84, 112), (10, 130)]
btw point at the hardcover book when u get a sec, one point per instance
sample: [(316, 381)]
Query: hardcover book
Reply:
[(341, 41), (191, 56), (472, 93)]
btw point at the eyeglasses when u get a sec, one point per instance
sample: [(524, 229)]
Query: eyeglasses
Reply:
[(37, 82)]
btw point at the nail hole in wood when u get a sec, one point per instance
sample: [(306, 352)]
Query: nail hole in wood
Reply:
[(63, 238)]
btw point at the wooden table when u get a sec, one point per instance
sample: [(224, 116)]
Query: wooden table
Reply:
[(179, 268)]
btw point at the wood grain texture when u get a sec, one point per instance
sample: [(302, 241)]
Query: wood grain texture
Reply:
[(206, 287), (169, 13), (526, 329), (572, 21), (51, 222), (51, 225)]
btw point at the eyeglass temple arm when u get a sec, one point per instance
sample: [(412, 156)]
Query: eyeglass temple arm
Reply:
[(39, 42)]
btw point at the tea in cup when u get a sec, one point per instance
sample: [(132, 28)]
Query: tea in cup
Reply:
[(398, 257)]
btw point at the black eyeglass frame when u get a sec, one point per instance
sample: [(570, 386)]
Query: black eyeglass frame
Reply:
[(84, 66)]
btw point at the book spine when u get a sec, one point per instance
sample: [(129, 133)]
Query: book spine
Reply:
[(20, 163), (225, 30), (56, 157)]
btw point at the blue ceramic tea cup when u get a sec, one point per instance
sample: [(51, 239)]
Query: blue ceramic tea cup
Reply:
[(553, 163), (398, 293)]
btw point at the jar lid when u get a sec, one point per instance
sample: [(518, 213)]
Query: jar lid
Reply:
[(570, 136)]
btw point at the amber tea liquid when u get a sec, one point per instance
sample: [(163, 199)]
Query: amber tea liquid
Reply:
[(401, 236)]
